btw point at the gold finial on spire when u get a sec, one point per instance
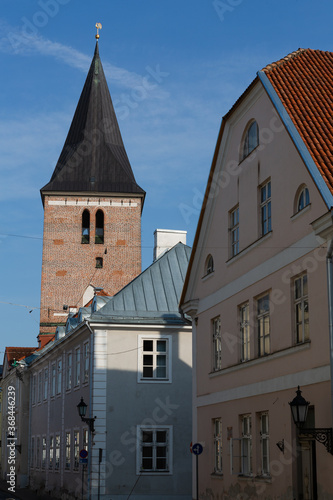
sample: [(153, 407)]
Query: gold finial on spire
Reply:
[(99, 27)]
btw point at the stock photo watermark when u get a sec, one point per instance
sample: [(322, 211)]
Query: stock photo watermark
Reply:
[(225, 7), (11, 439)]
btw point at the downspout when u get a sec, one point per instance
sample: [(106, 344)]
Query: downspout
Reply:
[(91, 370), (329, 261)]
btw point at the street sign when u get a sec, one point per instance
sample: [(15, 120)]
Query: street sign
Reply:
[(83, 454), (83, 461), (197, 449)]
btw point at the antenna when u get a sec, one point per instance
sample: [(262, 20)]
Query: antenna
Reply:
[(98, 26)]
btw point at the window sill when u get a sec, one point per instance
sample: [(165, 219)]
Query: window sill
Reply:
[(207, 276), (263, 479), (262, 359), (217, 475), (154, 381), (250, 247), (300, 212)]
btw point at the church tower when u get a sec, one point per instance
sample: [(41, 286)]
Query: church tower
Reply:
[(92, 209)]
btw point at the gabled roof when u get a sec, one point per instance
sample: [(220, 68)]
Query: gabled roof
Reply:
[(300, 87), (154, 295), (94, 159), (16, 354)]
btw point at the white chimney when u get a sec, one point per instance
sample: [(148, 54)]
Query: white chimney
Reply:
[(164, 239)]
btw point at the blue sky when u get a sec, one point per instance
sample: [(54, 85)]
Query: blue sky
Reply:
[(198, 57)]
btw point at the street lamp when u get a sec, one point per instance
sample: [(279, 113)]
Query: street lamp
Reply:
[(299, 410), (82, 409)]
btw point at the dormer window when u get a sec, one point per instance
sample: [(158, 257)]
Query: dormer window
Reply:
[(85, 227), (303, 199), (99, 230), (251, 140), (209, 268)]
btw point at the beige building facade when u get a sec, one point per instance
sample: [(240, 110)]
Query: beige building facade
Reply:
[(258, 291)]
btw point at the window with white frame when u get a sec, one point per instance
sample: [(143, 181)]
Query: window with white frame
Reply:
[(43, 452), (33, 389), (218, 446), (86, 362), (265, 208), (301, 308), (234, 231), (303, 199), (244, 313), (40, 382), (57, 452), (53, 379), (85, 439), (264, 444), (209, 265), (69, 371), (154, 450), (67, 450), (155, 358), (251, 140), (76, 437), (51, 456), (263, 323), (217, 344), (46, 382), (246, 445), (77, 365), (59, 375)]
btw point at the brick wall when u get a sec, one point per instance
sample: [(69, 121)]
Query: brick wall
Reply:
[(69, 266)]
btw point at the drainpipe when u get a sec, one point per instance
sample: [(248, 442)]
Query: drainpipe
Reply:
[(329, 261)]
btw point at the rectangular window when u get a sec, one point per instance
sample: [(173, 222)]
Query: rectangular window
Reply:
[(33, 391), (57, 453), (217, 344), (40, 387), (265, 208), (86, 362), (246, 446), (53, 379), (51, 460), (32, 456), (154, 449), (76, 449), (68, 450), (218, 446), (244, 312), (263, 325), (69, 371), (59, 375), (46, 382), (77, 365), (264, 444), (38, 452), (234, 231), (85, 439), (43, 452), (155, 359), (301, 307)]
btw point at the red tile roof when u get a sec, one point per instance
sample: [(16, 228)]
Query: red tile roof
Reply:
[(303, 80), (17, 353)]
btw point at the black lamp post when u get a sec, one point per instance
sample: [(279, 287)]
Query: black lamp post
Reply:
[(82, 409), (299, 409)]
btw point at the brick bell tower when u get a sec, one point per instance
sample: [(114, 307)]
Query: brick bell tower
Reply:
[(92, 210)]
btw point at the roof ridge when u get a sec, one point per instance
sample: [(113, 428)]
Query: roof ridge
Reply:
[(285, 59)]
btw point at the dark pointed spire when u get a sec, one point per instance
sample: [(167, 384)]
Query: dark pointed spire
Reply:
[(94, 158)]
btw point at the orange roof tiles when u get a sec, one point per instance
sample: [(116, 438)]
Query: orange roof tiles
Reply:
[(303, 80), (17, 353)]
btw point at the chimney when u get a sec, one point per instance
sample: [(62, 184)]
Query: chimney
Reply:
[(164, 239)]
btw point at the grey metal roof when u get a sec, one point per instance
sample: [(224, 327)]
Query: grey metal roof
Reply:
[(153, 296), (94, 158)]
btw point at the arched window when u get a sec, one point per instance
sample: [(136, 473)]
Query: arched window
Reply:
[(209, 268), (251, 140), (303, 199), (85, 227), (99, 230)]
